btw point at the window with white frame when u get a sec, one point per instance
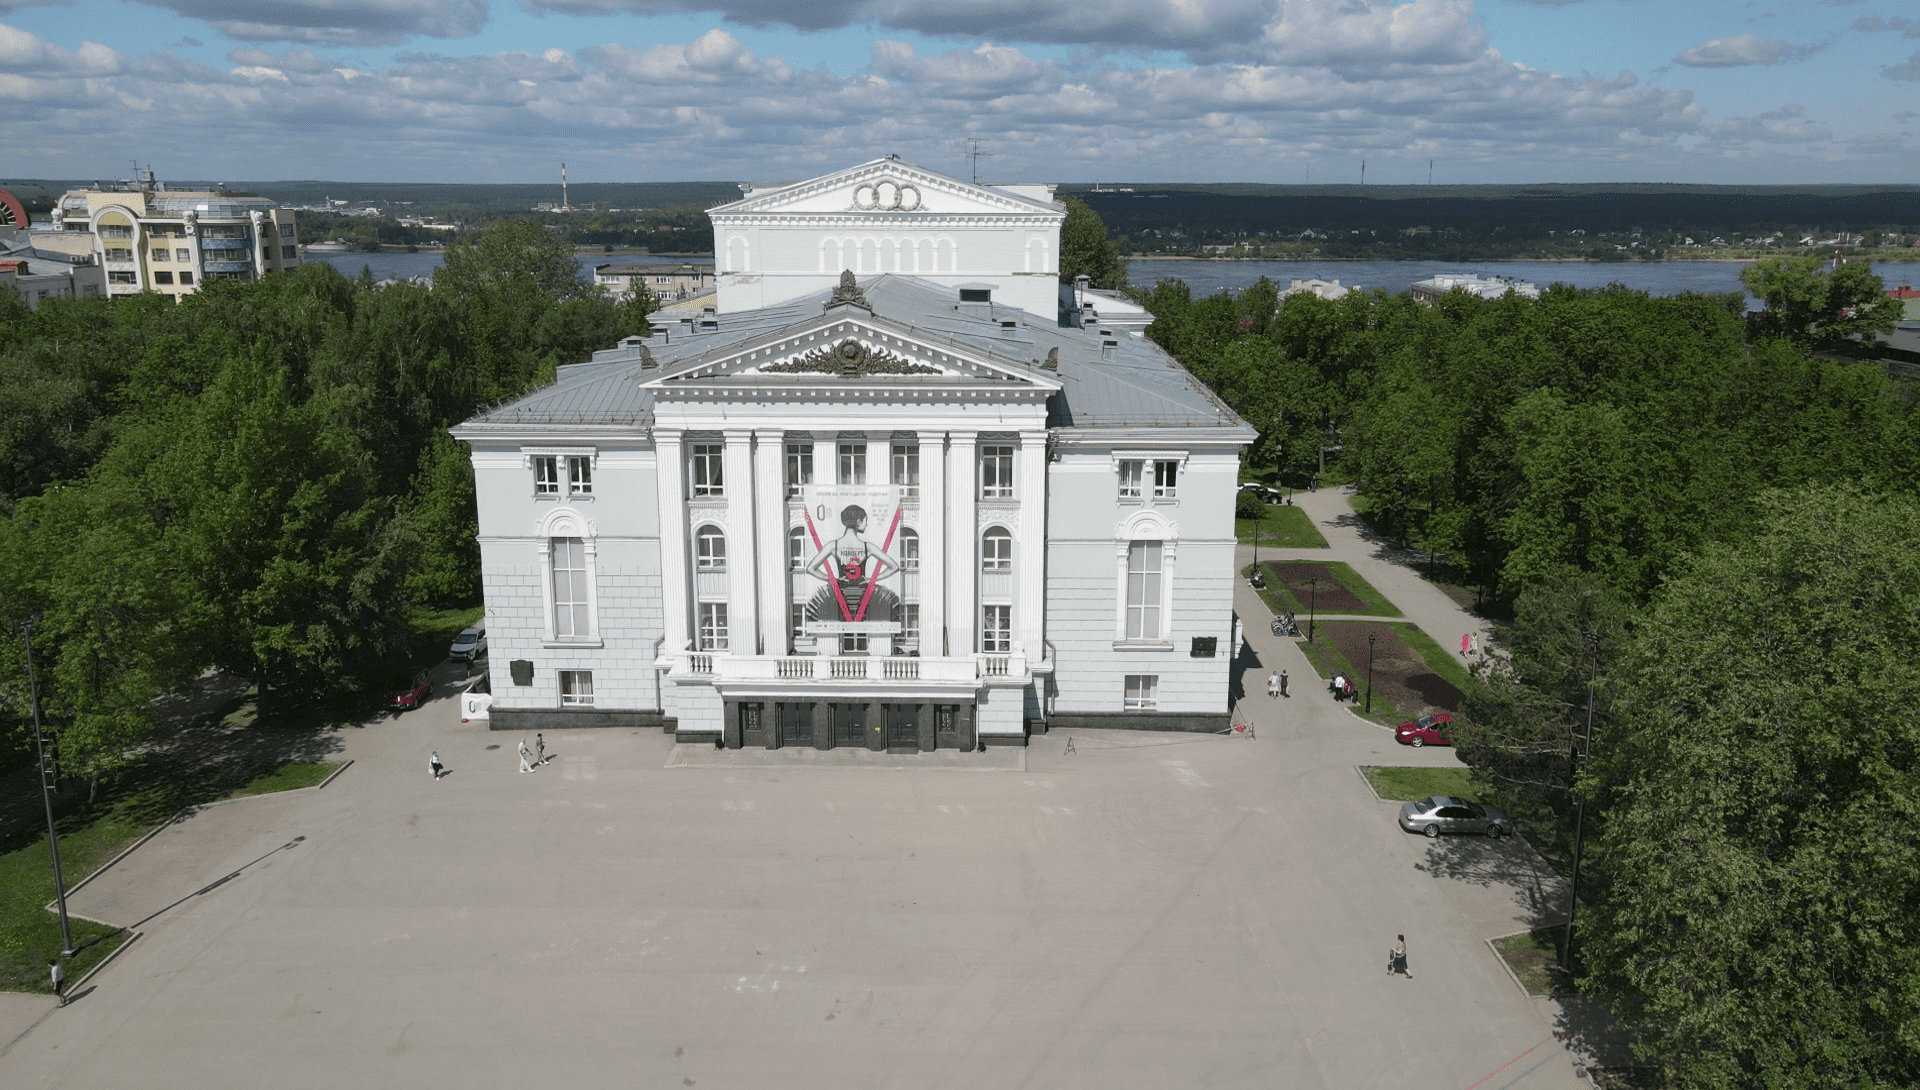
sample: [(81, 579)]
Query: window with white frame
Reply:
[(799, 466), (580, 474), (854, 643), (996, 630), (569, 588), (705, 463), (996, 472), (906, 469), (1139, 695), (797, 548), (1130, 473), (576, 688), (183, 255), (713, 626), (1143, 590), (1166, 476), (910, 621), (908, 551), (853, 462), (710, 549), (797, 619), (546, 475), (996, 550)]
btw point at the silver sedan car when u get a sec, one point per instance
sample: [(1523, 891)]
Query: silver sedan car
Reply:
[(1438, 814)]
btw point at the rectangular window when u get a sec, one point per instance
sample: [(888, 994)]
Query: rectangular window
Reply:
[(906, 469), (976, 295), (569, 588), (546, 475), (580, 474), (909, 551), (576, 688), (1130, 480), (183, 256), (113, 230), (799, 466), (853, 463), (1143, 590), (160, 253), (1139, 695), (1165, 476), (119, 255), (996, 550), (713, 626), (708, 477), (996, 473), (797, 619), (910, 621), (996, 629), (286, 230), (710, 550), (120, 277), (186, 278), (853, 643), (163, 277), (287, 253)]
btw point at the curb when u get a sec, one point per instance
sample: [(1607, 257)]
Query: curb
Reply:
[(128, 850), (330, 779), (274, 794), (1511, 975)]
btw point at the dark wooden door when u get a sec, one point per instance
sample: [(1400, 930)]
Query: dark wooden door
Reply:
[(903, 728), (796, 724), (849, 724)]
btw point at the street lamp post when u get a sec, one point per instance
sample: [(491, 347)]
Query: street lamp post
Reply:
[(1370, 673), (1579, 803), (1313, 591), (46, 791)]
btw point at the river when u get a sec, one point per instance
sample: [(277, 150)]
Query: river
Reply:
[(1208, 277)]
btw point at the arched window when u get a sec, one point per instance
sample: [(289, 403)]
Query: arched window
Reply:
[(909, 550), (710, 549), (996, 550), (797, 547)]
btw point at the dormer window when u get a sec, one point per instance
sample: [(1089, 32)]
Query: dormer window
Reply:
[(976, 295)]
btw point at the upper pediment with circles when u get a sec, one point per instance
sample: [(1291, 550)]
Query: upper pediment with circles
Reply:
[(852, 351), (880, 189)]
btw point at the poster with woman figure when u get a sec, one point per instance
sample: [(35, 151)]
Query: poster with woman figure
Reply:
[(853, 529)]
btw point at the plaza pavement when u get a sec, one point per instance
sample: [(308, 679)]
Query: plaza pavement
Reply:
[(1150, 910)]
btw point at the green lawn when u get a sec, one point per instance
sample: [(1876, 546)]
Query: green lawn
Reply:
[(1373, 603), (29, 934), (1407, 784), (288, 777), (1534, 957), (1281, 527)]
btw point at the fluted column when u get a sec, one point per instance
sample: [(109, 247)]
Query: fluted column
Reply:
[(770, 539), (673, 541), (743, 609), (962, 546)]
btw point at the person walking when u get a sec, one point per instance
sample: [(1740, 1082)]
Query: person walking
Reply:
[(525, 757), (433, 765), (1466, 641), (540, 747), (1283, 684), (1397, 959), (59, 979), (1273, 685)]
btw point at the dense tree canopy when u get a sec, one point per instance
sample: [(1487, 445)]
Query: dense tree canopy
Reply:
[(1085, 249), (1809, 304)]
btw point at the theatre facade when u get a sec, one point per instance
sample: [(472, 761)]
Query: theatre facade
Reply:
[(880, 495)]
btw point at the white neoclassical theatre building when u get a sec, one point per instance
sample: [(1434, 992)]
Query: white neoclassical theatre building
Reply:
[(900, 489)]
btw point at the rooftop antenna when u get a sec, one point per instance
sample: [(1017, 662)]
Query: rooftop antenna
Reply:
[(974, 155), (565, 205), (1429, 172), (1363, 172)]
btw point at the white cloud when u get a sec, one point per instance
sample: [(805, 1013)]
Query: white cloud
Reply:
[(1908, 69), (22, 53), (1873, 24), (1739, 50), (1787, 125), (334, 22)]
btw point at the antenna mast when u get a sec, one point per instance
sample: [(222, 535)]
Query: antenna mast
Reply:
[(565, 204), (974, 155)]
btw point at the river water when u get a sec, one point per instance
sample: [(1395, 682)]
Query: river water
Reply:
[(1208, 277)]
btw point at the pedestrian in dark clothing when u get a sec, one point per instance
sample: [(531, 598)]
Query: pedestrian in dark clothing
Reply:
[(540, 746), (1397, 959), (1283, 684)]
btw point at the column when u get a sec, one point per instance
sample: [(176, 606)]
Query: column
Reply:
[(743, 625), (962, 546), (934, 531), (770, 538), (1030, 563), (672, 478)]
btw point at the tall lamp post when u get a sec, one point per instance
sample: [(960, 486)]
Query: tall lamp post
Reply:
[(1313, 592), (1579, 802), (1370, 673), (46, 790)]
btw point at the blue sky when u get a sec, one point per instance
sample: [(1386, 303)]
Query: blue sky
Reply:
[(1726, 91)]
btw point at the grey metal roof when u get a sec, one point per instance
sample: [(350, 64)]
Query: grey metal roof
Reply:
[(1106, 381)]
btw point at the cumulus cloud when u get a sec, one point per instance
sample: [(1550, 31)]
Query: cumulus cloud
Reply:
[(334, 22), (1787, 125), (1740, 50), (1908, 69), (8, 7), (1874, 24), (22, 53), (1330, 32)]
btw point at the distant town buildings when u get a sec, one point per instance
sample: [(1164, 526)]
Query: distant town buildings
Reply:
[(150, 238), (668, 283), (38, 268), (1430, 291), (1322, 289)]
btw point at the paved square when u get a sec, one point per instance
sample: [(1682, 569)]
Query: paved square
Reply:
[(1152, 910)]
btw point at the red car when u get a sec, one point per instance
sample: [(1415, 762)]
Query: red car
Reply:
[(1428, 730), (415, 694)]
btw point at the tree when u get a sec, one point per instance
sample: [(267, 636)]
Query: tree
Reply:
[(1759, 920), (1818, 308), (1085, 249)]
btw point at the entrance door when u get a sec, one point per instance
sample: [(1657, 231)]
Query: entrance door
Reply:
[(849, 724), (796, 724), (903, 728)]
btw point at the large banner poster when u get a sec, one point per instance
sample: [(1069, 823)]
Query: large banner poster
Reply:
[(853, 529)]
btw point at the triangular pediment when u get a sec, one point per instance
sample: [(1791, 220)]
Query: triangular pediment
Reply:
[(848, 347), (883, 187)]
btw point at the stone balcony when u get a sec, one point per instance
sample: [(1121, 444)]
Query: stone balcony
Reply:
[(823, 673)]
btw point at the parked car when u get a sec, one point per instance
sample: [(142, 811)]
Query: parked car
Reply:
[(1438, 814), (409, 695), (1266, 493), (1428, 730), (470, 644)]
